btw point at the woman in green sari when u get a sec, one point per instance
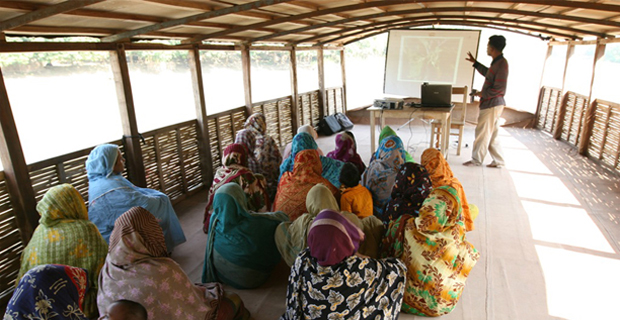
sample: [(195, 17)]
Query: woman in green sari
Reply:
[(65, 236)]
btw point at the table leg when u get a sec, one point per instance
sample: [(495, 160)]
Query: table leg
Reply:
[(372, 132), (446, 136)]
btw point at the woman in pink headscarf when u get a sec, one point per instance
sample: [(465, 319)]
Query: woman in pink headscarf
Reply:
[(329, 280), (346, 151)]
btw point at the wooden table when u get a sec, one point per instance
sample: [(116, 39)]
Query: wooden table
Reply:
[(441, 114)]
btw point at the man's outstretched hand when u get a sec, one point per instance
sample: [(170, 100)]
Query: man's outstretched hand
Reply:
[(470, 57)]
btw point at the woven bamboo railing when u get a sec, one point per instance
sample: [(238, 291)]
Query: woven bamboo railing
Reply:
[(571, 118), (309, 108), (279, 118), (602, 134), (10, 244), (549, 102)]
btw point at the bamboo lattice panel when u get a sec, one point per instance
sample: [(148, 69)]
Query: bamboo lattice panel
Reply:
[(304, 112), (226, 134), (315, 108), (272, 118), (604, 143), (285, 121), (338, 97), (574, 117), (10, 246), (548, 109), (331, 101), (223, 127), (214, 143), (171, 160)]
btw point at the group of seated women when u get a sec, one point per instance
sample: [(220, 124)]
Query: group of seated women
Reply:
[(363, 242)]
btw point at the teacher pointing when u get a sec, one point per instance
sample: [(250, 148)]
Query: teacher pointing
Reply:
[(492, 104)]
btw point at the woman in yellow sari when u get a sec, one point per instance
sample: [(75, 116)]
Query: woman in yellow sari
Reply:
[(65, 236)]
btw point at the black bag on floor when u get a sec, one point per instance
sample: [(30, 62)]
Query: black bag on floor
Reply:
[(329, 125), (344, 121)]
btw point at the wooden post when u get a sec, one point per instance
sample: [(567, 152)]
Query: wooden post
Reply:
[(344, 82), (322, 95), (131, 136), (201, 116), (542, 76), (247, 80), (586, 131), (557, 133), (16, 174), (294, 90)]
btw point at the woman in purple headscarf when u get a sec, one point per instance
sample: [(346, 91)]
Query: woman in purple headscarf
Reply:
[(331, 280), (346, 151)]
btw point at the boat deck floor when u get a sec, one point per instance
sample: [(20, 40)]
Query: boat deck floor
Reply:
[(548, 232)]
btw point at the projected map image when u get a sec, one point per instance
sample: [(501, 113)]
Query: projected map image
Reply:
[(429, 59)]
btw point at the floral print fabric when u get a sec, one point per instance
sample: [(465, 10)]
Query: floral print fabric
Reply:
[(346, 151), (66, 236), (436, 253), (356, 288), (49, 292), (411, 187)]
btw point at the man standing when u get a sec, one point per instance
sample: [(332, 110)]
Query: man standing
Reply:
[(491, 104)]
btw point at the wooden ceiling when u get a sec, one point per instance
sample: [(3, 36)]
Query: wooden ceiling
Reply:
[(301, 22)]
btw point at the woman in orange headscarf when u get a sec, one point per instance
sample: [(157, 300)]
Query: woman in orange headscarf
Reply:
[(441, 175)]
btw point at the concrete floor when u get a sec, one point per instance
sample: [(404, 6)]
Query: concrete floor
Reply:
[(548, 232)]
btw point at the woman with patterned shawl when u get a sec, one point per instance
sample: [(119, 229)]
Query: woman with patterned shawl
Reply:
[(411, 187), (330, 167), (247, 138), (267, 153), (381, 172), (330, 281), (66, 236), (307, 129), (50, 292), (437, 255), (110, 195), (234, 169), (139, 269), (441, 175), (241, 249), (346, 151), (294, 186), (387, 132), (291, 237)]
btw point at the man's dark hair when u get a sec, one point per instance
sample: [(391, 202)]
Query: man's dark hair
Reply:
[(134, 309), (497, 42), (349, 175)]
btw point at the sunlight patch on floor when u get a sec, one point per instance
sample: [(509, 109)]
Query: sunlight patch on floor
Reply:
[(579, 285), (565, 226), (543, 188)]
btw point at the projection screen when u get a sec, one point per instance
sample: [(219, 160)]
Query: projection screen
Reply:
[(436, 56)]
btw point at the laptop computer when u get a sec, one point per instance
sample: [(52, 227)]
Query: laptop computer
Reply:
[(436, 95)]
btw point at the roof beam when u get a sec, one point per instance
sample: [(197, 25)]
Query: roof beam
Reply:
[(443, 9), (424, 9), (194, 18), (398, 23), (45, 13)]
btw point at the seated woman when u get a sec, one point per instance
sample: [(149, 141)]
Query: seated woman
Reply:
[(110, 195), (437, 255), (346, 151), (247, 138), (330, 281), (355, 198), (38, 295), (291, 237), (381, 172), (441, 175), (294, 186), (241, 250), (330, 167), (65, 236), (234, 169), (388, 132), (411, 187), (139, 269), (267, 153), (307, 129)]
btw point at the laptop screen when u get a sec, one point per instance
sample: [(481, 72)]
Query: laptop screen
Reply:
[(436, 95)]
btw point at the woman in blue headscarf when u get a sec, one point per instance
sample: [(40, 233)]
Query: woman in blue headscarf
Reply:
[(110, 195), (303, 141)]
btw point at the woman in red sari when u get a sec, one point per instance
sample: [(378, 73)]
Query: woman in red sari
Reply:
[(235, 169), (294, 186)]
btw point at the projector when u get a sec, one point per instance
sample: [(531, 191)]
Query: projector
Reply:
[(389, 103)]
